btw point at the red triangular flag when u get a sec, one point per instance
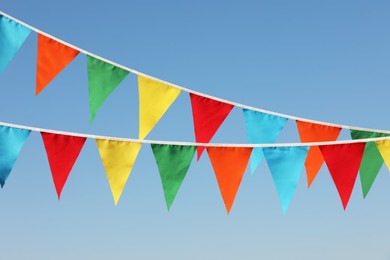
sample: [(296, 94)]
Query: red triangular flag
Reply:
[(62, 152), (208, 115), (343, 162), (309, 132), (229, 164), (52, 58)]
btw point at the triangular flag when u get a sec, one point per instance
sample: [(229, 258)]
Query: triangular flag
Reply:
[(154, 100), (208, 115), (229, 164), (343, 161), (310, 132), (173, 162), (384, 149), (12, 37), (118, 159), (62, 152), (52, 58), (11, 142), (261, 128), (285, 165), (103, 78), (372, 160)]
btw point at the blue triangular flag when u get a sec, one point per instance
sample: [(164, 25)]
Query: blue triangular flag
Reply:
[(11, 142), (261, 128), (12, 36), (285, 165)]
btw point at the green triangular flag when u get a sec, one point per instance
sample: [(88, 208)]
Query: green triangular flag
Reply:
[(103, 78), (372, 160), (173, 162)]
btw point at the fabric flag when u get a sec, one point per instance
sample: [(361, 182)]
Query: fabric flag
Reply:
[(62, 152), (11, 142), (261, 128), (173, 162), (343, 161), (229, 164), (118, 159), (208, 115), (285, 164), (384, 149), (103, 78), (309, 132), (52, 58), (372, 160), (154, 100), (12, 37)]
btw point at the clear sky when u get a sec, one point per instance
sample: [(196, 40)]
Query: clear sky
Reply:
[(324, 60)]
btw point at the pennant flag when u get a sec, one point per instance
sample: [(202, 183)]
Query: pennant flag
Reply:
[(229, 164), (52, 58), (372, 160), (285, 165), (343, 161), (154, 100), (12, 37), (309, 132), (384, 149), (208, 115), (118, 159), (11, 142), (103, 78), (173, 162), (62, 152), (261, 128)]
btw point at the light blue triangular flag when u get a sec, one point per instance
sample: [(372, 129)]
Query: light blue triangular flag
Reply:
[(285, 165), (261, 128), (12, 36), (11, 142)]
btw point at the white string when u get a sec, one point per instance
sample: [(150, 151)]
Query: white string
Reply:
[(192, 91), (37, 129)]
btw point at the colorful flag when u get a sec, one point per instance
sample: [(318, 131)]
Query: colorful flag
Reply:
[(62, 152), (103, 78), (118, 159), (173, 162), (154, 100), (12, 37)]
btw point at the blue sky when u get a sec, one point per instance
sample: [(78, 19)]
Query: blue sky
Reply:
[(324, 60)]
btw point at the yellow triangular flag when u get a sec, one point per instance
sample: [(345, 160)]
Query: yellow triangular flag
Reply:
[(154, 100), (118, 159), (384, 149)]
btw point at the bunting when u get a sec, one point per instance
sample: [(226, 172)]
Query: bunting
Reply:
[(285, 164), (372, 160), (229, 164), (310, 132), (173, 162), (11, 142), (208, 115), (154, 100), (12, 36), (62, 152), (52, 58), (261, 128), (103, 78), (343, 161), (118, 159)]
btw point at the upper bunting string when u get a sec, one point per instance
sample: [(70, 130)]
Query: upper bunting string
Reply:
[(201, 94), (143, 141)]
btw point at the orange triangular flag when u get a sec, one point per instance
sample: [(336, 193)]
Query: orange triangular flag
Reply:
[(229, 165), (52, 58), (309, 132)]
